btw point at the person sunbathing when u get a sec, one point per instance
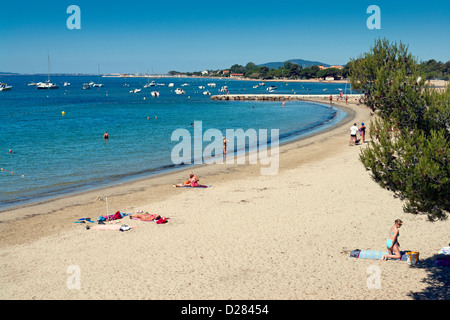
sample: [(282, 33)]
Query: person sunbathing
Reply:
[(192, 182), (149, 217), (144, 216)]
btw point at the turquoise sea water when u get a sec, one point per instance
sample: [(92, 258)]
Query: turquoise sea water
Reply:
[(53, 154)]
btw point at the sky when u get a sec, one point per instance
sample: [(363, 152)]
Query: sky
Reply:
[(160, 36)]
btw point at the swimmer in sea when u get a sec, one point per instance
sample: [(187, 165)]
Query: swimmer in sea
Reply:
[(106, 136)]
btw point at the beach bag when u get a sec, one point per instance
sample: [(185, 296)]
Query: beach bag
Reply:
[(412, 257)]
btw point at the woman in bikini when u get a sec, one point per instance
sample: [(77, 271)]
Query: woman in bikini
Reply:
[(392, 243)]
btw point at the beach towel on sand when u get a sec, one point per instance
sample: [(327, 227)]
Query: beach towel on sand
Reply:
[(111, 227), (200, 186), (443, 257), (375, 255), (116, 216)]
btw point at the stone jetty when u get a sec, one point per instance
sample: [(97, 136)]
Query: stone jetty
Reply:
[(280, 97)]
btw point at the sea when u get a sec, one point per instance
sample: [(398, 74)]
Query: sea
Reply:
[(51, 141)]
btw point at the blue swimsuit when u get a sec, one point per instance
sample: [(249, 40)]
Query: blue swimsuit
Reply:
[(389, 242)]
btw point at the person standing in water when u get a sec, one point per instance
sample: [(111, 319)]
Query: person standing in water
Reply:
[(106, 136), (225, 141)]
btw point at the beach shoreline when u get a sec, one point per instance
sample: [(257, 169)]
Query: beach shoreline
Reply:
[(286, 236), (12, 212)]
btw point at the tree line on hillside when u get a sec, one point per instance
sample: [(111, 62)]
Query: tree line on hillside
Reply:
[(431, 69)]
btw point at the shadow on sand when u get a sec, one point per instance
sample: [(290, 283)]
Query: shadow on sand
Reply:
[(438, 281)]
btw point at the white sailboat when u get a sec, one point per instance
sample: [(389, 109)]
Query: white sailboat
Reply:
[(97, 85), (47, 85), (32, 84)]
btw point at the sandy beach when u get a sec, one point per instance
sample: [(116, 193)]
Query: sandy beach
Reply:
[(282, 237)]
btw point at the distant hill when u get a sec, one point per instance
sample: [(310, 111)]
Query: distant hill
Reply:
[(303, 63)]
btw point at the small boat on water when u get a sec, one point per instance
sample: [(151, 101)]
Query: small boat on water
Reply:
[(46, 85), (212, 85), (255, 87), (171, 84), (179, 91), (223, 89), (97, 85), (185, 85), (66, 84), (86, 86), (271, 88), (201, 87), (5, 87), (135, 91), (155, 94), (262, 84), (206, 93), (33, 84)]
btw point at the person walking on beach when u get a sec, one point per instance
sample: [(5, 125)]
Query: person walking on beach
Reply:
[(362, 130), (331, 99), (392, 243), (353, 131)]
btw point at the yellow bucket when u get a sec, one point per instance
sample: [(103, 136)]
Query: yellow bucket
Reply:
[(412, 257)]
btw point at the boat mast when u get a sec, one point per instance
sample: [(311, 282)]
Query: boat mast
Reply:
[(48, 58)]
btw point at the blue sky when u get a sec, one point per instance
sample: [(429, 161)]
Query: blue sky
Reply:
[(140, 36)]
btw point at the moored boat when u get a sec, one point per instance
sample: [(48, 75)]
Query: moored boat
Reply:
[(47, 85), (5, 87)]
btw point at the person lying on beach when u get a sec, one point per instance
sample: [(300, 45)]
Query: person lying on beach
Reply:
[(149, 217), (392, 243), (144, 216), (192, 182)]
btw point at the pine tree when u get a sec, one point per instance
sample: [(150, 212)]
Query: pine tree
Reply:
[(409, 152)]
